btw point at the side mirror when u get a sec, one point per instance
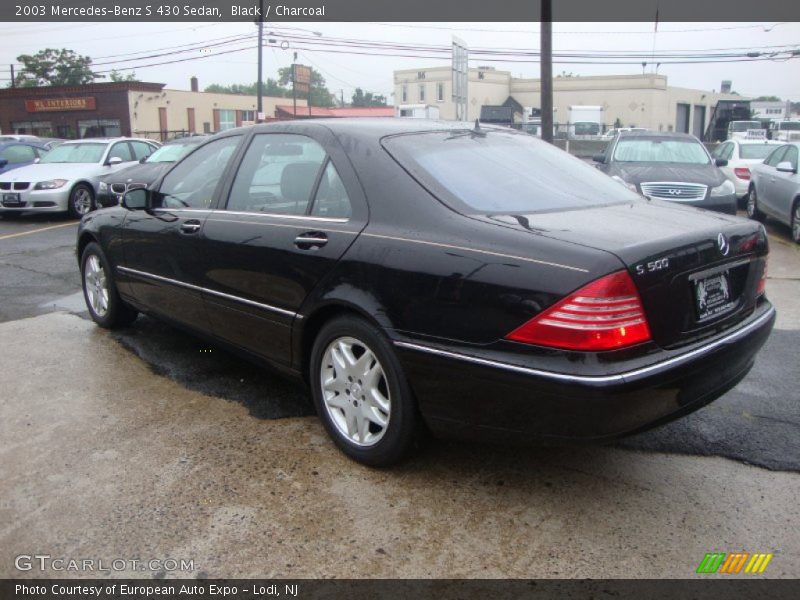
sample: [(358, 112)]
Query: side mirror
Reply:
[(3, 162), (36, 160), (114, 160), (721, 162), (786, 167), (136, 198), (141, 160), (599, 158)]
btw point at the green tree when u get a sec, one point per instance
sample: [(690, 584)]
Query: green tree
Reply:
[(117, 76), (270, 88), (361, 98), (54, 67), (767, 99), (319, 94)]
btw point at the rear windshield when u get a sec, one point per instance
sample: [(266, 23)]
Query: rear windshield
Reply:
[(89, 152), (759, 151), (503, 172), (679, 151)]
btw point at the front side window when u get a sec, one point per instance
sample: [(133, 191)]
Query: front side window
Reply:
[(193, 182), (18, 154), (121, 150), (503, 172), (791, 157), (678, 151), (75, 153), (277, 175), (776, 156)]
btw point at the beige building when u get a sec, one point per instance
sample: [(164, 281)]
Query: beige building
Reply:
[(630, 100)]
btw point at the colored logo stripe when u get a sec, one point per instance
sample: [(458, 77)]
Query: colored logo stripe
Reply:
[(733, 563)]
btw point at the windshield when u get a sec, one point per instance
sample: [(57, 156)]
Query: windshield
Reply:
[(502, 172), (759, 151), (170, 152), (681, 151), (745, 125), (75, 153), (789, 126)]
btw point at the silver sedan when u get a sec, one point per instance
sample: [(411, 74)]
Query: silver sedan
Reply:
[(775, 188), (65, 178)]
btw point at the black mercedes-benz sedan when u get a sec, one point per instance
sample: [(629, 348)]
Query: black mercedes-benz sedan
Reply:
[(670, 166), (472, 281)]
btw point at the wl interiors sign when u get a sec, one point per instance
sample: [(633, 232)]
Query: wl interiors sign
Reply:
[(55, 104)]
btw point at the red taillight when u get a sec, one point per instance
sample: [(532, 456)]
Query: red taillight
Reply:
[(762, 283), (742, 173), (604, 315)]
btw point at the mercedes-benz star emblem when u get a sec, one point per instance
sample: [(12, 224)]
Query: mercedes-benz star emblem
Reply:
[(723, 245)]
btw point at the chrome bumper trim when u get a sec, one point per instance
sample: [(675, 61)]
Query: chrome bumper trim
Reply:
[(626, 377)]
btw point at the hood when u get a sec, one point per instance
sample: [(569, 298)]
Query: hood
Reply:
[(46, 171), (637, 173), (138, 173)]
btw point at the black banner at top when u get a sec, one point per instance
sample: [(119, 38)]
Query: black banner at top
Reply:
[(397, 10)]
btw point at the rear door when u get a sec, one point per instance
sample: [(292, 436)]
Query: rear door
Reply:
[(164, 260), (293, 209)]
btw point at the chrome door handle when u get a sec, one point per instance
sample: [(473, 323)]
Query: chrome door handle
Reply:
[(309, 240), (191, 226)]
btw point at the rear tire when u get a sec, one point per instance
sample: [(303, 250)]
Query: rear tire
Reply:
[(361, 393), (752, 206), (81, 201), (100, 291)]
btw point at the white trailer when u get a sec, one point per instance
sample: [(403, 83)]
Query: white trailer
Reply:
[(585, 121), (417, 111)]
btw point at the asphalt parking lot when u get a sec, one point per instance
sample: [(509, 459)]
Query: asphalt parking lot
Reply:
[(148, 443)]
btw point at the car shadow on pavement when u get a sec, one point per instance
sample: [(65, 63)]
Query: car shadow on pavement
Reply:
[(756, 423)]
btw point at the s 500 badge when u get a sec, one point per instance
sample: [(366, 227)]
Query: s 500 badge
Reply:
[(652, 266)]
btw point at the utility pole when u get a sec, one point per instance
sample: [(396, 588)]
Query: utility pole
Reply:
[(260, 84), (13, 79), (546, 69)]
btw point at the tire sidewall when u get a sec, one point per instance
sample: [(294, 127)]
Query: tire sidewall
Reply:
[(71, 202), (401, 432)]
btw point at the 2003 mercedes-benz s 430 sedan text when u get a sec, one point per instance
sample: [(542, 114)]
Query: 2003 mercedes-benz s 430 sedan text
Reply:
[(474, 281)]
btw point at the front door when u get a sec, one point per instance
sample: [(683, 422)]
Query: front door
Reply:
[(785, 186), (163, 247), (293, 209)]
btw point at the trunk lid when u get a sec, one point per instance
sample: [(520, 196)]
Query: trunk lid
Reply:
[(697, 271)]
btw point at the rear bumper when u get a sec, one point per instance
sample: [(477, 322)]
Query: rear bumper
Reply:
[(469, 395)]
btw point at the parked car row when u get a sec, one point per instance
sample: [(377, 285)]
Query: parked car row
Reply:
[(66, 178), (475, 281)]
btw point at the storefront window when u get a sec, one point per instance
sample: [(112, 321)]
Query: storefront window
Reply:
[(227, 119), (40, 128), (99, 128)]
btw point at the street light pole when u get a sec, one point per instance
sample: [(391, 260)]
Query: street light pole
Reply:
[(546, 68), (260, 84)]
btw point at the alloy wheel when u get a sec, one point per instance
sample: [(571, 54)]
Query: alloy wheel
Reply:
[(751, 204), (796, 223), (94, 280), (82, 201), (355, 391)]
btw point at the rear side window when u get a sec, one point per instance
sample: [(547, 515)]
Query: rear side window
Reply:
[(502, 172), (142, 150)]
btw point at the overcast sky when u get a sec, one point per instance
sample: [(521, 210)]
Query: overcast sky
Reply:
[(374, 73)]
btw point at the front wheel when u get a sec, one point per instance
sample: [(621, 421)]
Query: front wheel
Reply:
[(81, 201), (796, 222), (100, 291), (752, 206), (361, 392)]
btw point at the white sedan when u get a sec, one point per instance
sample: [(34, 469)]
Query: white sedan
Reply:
[(64, 178), (742, 155)]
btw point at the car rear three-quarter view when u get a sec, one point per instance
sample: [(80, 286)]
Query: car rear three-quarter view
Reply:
[(473, 281)]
